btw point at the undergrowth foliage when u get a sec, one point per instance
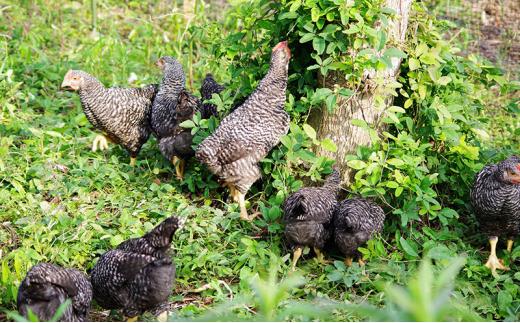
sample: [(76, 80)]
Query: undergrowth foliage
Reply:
[(60, 202)]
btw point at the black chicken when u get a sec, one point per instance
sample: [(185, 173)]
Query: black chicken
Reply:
[(172, 106), (307, 216), (121, 113), (207, 88), (496, 200), (355, 220), (247, 134), (47, 286), (139, 274)]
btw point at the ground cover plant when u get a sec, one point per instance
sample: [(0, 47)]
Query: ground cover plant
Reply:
[(452, 113)]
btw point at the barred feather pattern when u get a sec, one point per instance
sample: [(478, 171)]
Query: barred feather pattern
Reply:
[(139, 274), (308, 213), (172, 106), (496, 201), (354, 223), (121, 113), (47, 286), (208, 87), (248, 133)]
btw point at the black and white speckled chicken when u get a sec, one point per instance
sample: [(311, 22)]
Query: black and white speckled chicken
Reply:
[(307, 216), (496, 201), (47, 286), (139, 274), (172, 106), (248, 133), (122, 114), (354, 223), (207, 88)]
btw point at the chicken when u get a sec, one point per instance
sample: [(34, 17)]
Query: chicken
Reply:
[(248, 133), (354, 223), (208, 87), (307, 216), (122, 114), (496, 201), (139, 274), (172, 106), (47, 286)]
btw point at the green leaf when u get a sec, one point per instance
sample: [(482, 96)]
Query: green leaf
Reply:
[(319, 45), (329, 145), (315, 14), (408, 248), (395, 162), (309, 131), (187, 124), (307, 37), (359, 123), (356, 164), (443, 80), (295, 5), (394, 52), (414, 64)]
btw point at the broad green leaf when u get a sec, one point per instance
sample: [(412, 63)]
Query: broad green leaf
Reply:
[(329, 145), (408, 248), (309, 131), (356, 164)]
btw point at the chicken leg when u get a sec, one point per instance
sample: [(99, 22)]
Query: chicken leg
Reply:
[(510, 245), (133, 319), (348, 261), (296, 255), (100, 141), (179, 167), (320, 257), (133, 161), (493, 262)]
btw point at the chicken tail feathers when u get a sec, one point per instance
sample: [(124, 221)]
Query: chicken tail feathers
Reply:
[(333, 180), (294, 206), (161, 236)]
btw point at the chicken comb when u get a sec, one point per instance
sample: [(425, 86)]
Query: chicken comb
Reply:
[(283, 45)]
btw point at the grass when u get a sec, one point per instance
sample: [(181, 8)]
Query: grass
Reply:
[(60, 202)]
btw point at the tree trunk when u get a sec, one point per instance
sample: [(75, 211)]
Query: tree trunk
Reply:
[(337, 125)]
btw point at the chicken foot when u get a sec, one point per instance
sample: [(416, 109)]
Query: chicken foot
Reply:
[(101, 142), (320, 256), (510, 245), (179, 167), (296, 255), (493, 262)]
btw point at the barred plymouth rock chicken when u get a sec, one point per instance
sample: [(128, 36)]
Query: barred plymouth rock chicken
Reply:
[(308, 214), (172, 106), (496, 200), (355, 220), (47, 286), (139, 274), (122, 114), (248, 133), (208, 87)]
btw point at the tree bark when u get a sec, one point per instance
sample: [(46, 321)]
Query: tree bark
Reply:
[(337, 125)]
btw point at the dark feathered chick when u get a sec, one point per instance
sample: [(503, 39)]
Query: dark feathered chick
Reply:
[(172, 106), (248, 133), (47, 286), (122, 114), (207, 88), (139, 274), (355, 220), (496, 201), (307, 216)]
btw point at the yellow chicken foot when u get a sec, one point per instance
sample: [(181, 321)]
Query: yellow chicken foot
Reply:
[(132, 319), (348, 261), (493, 262), (510, 245), (320, 257), (179, 167), (132, 161), (233, 191), (296, 255), (242, 204), (101, 142), (361, 262)]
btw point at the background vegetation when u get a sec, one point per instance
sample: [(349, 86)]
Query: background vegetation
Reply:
[(453, 112)]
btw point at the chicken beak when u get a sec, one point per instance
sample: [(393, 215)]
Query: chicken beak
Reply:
[(66, 84)]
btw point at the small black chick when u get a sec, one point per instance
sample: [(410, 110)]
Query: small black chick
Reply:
[(496, 200), (208, 87), (355, 220), (139, 274), (307, 216), (47, 286)]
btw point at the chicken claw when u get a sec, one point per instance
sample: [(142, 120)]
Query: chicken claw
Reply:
[(493, 262), (100, 141), (179, 167), (321, 257)]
